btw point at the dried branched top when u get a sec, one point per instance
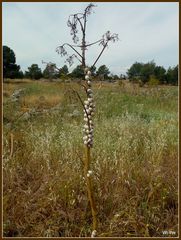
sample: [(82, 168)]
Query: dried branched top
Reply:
[(108, 37), (74, 22), (78, 18)]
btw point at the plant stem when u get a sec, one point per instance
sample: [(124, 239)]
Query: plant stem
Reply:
[(90, 189)]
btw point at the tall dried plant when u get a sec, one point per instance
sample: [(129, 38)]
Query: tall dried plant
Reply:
[(78, 22)]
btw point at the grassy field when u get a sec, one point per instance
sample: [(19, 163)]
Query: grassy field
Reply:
[(134, 161)]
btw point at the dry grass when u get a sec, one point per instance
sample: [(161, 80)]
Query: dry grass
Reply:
[(135, 164), (41, 101)]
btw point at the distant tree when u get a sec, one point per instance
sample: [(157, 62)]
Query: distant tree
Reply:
[(160, 74), (10, 68), (172, 75), (134, 72), (78, 72), (141, 71), (64, 70), (115, 77), (147, 70), (50, 71), (122, 76), (34, 72), (103, 71), (93, 70)]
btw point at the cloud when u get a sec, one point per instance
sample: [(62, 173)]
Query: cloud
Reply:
[(146, 30)]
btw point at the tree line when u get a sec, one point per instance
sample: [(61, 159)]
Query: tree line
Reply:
[(153, 74), (138, 72)]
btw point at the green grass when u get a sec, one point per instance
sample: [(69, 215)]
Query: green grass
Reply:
[(134, 160)]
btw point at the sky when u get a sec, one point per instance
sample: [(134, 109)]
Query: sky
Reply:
[(147, 31)]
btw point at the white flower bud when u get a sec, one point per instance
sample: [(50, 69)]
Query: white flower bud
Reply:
[(90, 121), (86, 102), (86, 119), (89, 83), (89, 73), (85, 142)]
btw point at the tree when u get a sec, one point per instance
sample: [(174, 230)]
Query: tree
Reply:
[(172, 75), (141, 71), (10, 68), (122, 76), (34, 72), (103, 71), (93, 70), (64, 70), (134, 72), (147, 70), (160, 74), (78, 72), (50, 71)]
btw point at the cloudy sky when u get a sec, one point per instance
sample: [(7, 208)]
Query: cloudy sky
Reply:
[(147, 31)]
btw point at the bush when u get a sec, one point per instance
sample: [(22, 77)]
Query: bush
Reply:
[(153, 81)]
